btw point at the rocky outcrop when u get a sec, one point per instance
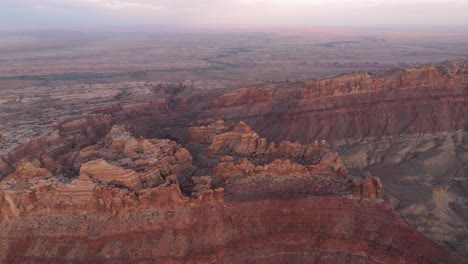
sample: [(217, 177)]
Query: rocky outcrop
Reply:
[(242, 97), (105, 172), (205, 132), (5, 167), (368, 188), (28, 169), (153, 159), (242, 141), (343, 85), (87, 196), (421, 77), (203, 192), (427, 76), (117, 175), (227, 168), (65, 138)]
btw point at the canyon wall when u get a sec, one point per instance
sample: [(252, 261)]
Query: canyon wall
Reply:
[(127, 205), (310, 230), (243, 174)]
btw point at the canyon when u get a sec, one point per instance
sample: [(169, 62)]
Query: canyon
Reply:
[(368, 167)]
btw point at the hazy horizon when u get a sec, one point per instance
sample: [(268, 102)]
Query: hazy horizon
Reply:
[(372, 13)]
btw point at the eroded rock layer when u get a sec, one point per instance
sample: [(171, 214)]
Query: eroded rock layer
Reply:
[(310, 230), (216, 191), (126, 205)]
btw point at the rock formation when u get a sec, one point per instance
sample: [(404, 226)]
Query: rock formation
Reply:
[(203, 192), (242, 141), (205, 131), (217, 191), (368, 188), (103, 171), (278, 168), (142, 178), (114, 181), (153, 159), (343, 85), (314, 229), (27, 169)]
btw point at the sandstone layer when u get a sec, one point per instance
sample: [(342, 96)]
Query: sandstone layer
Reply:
[(281, 196), (126, 205), (310, 230)]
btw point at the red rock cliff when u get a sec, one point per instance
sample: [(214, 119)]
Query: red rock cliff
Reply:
[(269, 201)]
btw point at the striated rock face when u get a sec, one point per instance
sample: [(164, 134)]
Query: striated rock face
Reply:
[(139, 162), (141, 179), (126, 205), (242, 97), (348, 84), (27, 169), (228, 216), (205, 132), (348, 108), (309, 230), (368, 188), (242, 141), (93, 192), (103, 171), (277, 168), (68, 136), (426, 76), (85, 196), (351, 107), (203, 193)]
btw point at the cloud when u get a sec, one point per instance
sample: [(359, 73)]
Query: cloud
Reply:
[(320, 12)]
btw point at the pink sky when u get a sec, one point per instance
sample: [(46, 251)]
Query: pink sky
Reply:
[(262, 12)]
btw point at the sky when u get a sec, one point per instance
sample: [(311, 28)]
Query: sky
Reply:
[(233, 12)]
